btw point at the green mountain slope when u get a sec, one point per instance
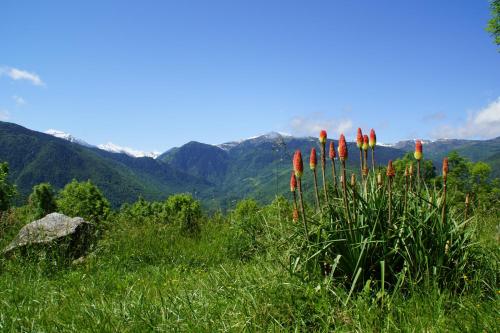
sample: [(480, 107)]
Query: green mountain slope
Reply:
[(36, 157)]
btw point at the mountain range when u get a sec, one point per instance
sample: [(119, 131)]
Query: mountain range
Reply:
[(218, 175)]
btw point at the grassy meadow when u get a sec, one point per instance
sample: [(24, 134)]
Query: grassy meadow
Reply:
[(380, 252)]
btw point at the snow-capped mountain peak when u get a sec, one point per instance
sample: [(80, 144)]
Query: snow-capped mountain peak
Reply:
[(67, 137), (113, 148), (271, 136)]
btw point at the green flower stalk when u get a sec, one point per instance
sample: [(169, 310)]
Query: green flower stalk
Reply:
[(418, 156), (445, 176), (322, 141), (293, 188), (343, 157), (372, 144), (312, 164), (359, 143), (390, 175), (298, 168), (333, 155)]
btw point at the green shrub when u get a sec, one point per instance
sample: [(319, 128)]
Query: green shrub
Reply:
[(185, 211), (7, 190), (85, 200), (247, 225), (42, 200)]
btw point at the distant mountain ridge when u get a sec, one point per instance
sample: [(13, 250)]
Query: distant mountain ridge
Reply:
[(219, 175)]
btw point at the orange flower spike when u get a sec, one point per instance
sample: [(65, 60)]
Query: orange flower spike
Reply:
[(445, 167), (373, 139), (293, 182), (391, 172), (298, 165), (365, 142), (322, 137), (359, 139), (342, 148), (333, 154), (295, 215), (418, 150), (313, 160)]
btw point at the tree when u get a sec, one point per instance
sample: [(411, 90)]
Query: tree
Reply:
[(494, 23), (42, 200), (85, 200), (7, 190)]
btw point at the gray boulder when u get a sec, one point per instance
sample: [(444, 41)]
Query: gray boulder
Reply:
[(71, 235)]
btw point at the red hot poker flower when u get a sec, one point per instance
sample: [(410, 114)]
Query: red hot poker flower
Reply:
[(359, 138), (313, 160), (333, 154), (365, 142), (418, 150), (293, 182), (373, 138), (390, 170), (322, 137), (342, 148), (298, 165)]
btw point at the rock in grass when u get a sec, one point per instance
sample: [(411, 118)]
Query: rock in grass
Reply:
[(71, 235)]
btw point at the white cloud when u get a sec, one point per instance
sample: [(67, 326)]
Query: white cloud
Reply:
[(484, 123), (19, 100), (313, 124), (19, 74), (4, 115)]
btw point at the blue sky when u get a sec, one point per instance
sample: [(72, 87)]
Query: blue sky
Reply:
[(157, 74)]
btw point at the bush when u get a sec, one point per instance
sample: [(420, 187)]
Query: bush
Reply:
[(42, 200), (85, 200), (248, 227), (7, 190), (185, 211), (145, 211)]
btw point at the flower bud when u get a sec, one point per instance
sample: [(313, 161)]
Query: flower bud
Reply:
[(445, 168), (298, 165), (333, 154), (418, 150), (359, 138), (313, 160), (365, 142), (322, 137), (293, 182), (373, 138), (391, 172), (342, 148)]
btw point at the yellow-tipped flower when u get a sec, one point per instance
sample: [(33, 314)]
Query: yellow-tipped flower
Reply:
[(365, 142), (322, 137), (418, 150), (373, 138), (313, 160), (359, 138), (298, 165)]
